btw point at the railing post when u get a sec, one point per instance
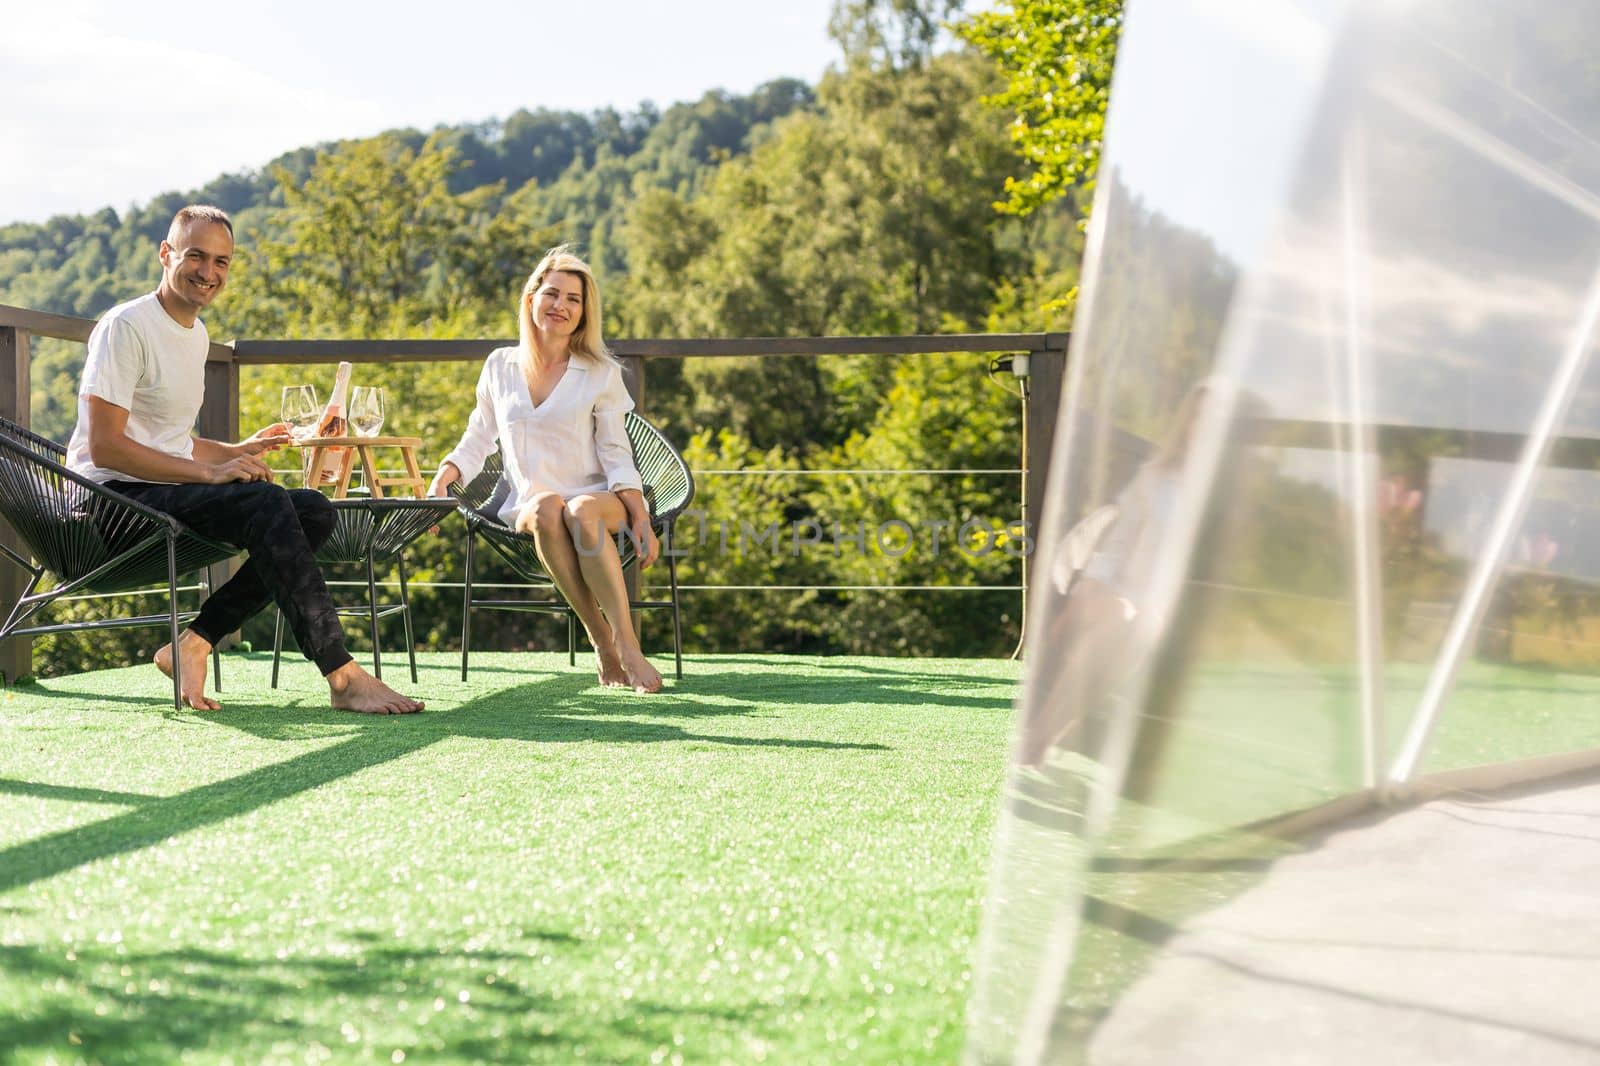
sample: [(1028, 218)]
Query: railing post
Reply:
[(219, 411), (219, 420), (633, 378), (1046, 375), (16, 655)]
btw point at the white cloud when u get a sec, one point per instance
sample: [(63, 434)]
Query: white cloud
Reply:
[(92, 114), (106, 105)]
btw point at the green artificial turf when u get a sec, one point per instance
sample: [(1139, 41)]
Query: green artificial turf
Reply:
[(779, 859)]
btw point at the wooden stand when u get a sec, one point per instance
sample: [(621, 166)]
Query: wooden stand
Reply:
[(322, 455)]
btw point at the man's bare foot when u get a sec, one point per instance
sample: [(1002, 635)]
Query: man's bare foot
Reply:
[(610, 670), (194, 650), (642, 677), (353, 689)]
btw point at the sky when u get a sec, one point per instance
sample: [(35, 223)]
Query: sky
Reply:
[(1169, 108), (104, 107)]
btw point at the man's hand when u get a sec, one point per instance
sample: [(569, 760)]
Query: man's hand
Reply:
[(241, 468), (269, 439)]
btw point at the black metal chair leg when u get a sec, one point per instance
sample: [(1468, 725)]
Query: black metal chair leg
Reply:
[(172, 620), (572, 638), (677, 618), (216, 653), (277, 643), (372, 619), (405, 616), (466, 607)]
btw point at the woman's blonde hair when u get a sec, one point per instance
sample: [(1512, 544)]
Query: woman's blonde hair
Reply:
[(588, 340)]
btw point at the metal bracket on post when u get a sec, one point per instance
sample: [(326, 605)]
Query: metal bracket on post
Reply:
[(16, 654)]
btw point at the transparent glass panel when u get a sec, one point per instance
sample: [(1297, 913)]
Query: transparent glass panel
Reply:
[(1323, 512)]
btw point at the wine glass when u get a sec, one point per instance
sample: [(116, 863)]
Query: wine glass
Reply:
[(366, 410), (300, 409)]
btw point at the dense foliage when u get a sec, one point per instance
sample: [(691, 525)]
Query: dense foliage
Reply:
[(1057, 55), (862, 205)]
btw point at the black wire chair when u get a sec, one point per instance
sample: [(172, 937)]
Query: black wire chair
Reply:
[(372, 531), (668, 488), (91, 539)]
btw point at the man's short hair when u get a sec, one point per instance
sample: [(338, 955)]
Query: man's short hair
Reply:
[(198, 213)]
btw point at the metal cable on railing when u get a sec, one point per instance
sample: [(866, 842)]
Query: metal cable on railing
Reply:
[(703, 588), (891, 470), (849, 588), (753, 472)]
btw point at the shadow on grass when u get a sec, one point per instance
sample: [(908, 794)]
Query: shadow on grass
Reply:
[(13, 787), (798, 686), (853, 665), (535, 712), (474, 669), (887, 689), (131, 1006), (79, 695)]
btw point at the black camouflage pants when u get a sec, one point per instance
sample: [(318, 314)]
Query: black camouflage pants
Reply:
[(281, 529)]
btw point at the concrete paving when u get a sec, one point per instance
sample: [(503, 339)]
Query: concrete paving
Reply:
[(1459, 932)]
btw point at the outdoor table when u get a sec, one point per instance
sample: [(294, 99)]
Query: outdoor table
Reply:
[(373, 529)]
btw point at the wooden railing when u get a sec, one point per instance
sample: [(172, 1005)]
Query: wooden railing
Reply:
[(219, 414)]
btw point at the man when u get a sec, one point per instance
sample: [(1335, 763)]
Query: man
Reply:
[(141, 392)]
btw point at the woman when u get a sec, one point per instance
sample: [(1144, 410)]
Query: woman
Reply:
[(556, 403)]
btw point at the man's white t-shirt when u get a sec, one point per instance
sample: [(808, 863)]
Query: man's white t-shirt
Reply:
[(145, 362)]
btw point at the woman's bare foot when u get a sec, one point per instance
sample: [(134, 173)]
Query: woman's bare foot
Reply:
[(194, 650), (610, 670), (608, 664), (353, 689), (642, 677)]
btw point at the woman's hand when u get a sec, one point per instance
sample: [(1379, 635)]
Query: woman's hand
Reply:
[(448, 475), (644, 538)]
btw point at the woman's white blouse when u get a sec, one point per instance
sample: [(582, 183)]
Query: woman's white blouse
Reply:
[(572, 443)]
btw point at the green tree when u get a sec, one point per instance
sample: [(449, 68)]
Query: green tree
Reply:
[(945, 531), (866, 216), (376, 232), (889, 34), (857, 219), (740, 535), (1056, 56)]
